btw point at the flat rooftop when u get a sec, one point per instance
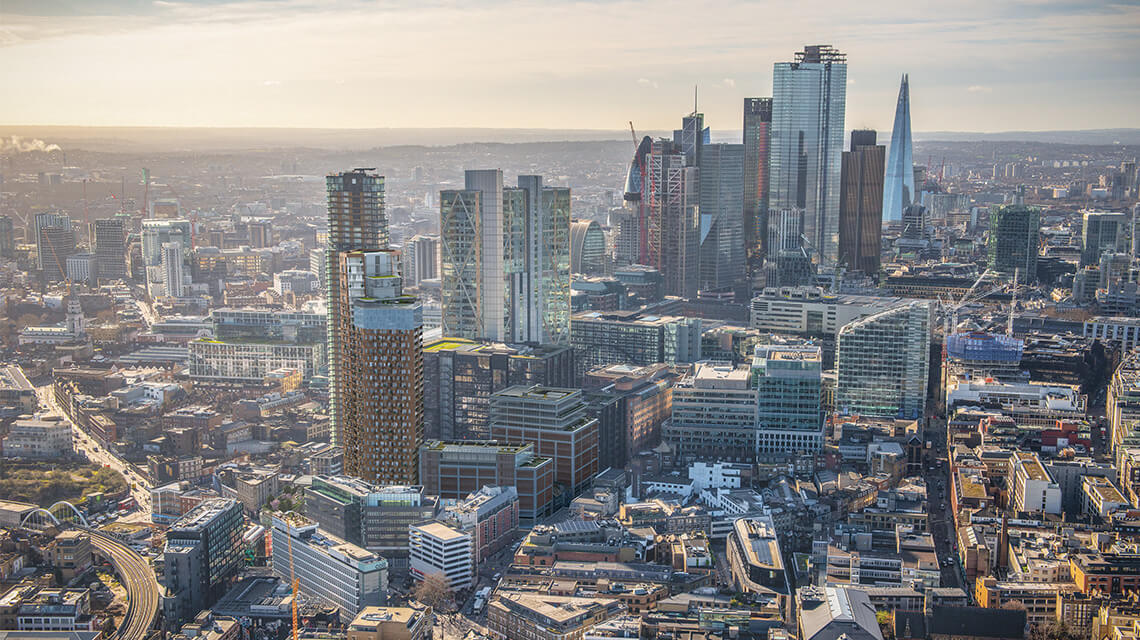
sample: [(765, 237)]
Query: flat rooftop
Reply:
[(12, 378), (440, 531)]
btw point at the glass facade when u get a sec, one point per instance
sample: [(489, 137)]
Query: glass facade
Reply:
[(1015, 234), (883, 363), (808, 102), (722, 223), (898, 186), (788, 382), (757, 138)]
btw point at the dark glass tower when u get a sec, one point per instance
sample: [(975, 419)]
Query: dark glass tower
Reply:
[(757, 137), (861, 203)]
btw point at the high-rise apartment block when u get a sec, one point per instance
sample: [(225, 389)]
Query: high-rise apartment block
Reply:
[(371, 516), (336, 572), (203, 552), (505, 260), (156, 233), (809, 97), (554, 420), (357, 221), (380, 386), (453, 470), (55, 241), (860, 204), (899, 183), (460, 377), (883, 362), (1015, 235), (721, 185), (111, 248), (788, 383), (757, 144), (421, 259), (173, 279)]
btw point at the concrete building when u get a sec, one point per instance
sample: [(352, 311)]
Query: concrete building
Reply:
[(754, 557), (371, 516), (714, 415), (1033, 491), (82, 268), (812, 312), (156, 233), (554, 420), (173, 278), (239, 362), (421, 259), (831, 613), (70, 554), (391, 623), (634, 338), (43, 438), (443, 549), (645, 402), (491, 514), (453, 470), (203, 552), (337, 572), (111, 248), (534, 616)]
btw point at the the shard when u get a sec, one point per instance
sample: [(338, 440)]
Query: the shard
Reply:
[(898, 185)]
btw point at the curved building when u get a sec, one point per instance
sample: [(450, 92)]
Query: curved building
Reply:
[(587, 247), (883, 362)]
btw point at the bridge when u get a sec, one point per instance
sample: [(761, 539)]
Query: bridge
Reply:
[(135, 573)]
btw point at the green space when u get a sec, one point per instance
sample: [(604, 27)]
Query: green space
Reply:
[(44, 483)]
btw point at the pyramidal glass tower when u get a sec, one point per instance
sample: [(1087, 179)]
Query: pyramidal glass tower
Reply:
[(898, 186)]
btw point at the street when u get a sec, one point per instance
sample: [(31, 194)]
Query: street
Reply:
[(97, 452), (940, 520)]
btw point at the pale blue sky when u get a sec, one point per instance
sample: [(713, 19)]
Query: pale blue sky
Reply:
[(974, 65)]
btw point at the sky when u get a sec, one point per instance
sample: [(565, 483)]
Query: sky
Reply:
[(974, 65)]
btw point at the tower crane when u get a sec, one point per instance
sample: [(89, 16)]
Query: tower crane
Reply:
[(634, 134), (950, 311)]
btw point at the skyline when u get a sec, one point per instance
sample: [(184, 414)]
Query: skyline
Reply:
[(299, 63)]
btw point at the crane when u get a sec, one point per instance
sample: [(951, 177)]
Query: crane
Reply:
[(633, 133), (293, 579), (1013, 302), (950, 311)]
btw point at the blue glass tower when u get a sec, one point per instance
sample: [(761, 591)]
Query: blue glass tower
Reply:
[(898, 187)]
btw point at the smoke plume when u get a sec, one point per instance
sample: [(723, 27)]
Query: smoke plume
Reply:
[(20, 144)]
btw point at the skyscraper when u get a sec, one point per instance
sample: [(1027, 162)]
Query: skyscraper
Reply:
[(421, 259), (1015, 234), (172, 273), (380, 384), (757, 138), (7, 238), (860, 203), (505, 260), (898, 187), (808, 101), (55, 241), (155, 233), (722, 254), (1102, 231), (110, 248), (356, 221), (883, 362)]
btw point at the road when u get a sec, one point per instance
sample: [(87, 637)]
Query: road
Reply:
[(97, 452), (147, 311), (137, 576), (940, 520)]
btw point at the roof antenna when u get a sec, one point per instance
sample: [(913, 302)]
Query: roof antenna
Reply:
[(694, 99)]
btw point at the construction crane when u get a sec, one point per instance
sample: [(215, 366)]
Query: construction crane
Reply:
[(293, 579), (950, 310), (633, 133), (1012, 303)]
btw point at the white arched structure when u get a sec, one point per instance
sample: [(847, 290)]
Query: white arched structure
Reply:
[(41, 515)]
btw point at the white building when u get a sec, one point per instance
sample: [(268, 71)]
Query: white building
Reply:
[(718, 475), (173, 281), (438, 548), (296, 281), (339, 573), (421, 259), (1034, 490), (81, 267), (47, 437), (1099, 496), (811, 311), (1028, 403)]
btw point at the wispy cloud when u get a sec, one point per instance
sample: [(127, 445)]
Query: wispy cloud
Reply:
[(271, 83), (978, 88), (729, 83), (646, 82)]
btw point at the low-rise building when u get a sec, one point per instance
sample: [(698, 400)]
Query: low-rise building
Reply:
[(391, 623), (70, 554), (43, 438), (523, 616)]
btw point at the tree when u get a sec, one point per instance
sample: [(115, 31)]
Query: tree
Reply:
[(434, 591)]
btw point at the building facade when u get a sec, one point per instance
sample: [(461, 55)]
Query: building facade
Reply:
[(883, 363), (757, 141), (788, 383), (203, 552), (898, 185), (1015, 236), (860, 204)]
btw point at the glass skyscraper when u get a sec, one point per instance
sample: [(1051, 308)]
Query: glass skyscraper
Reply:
[(898, 186), (787, 380), (722, 225), (809, 97), (757, 138), (883, 362), (1015, 235)]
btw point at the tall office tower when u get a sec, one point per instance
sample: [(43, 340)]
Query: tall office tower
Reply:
[(111, 248), (721, 181), (787, 263), (588, 248), (156, 233), (172, 272), (380, 368), (787, 380), (505, 260), (1015, 235), (1102, 231), (757, 139), (357, 221), (7, 238), (554, 420), (860, 203), (883, 363), (203, 550), (421, 259), (260, 233), (808, 101), (898, 187), (55, 241)]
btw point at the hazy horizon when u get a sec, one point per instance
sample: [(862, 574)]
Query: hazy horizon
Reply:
[(974, 66)]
